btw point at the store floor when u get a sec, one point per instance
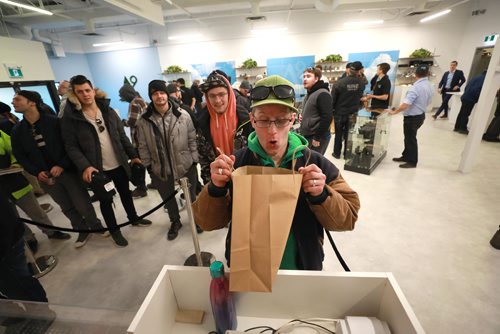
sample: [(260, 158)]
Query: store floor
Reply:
[(430, 226)]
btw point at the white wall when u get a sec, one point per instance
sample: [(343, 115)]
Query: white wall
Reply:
[(29, 55)]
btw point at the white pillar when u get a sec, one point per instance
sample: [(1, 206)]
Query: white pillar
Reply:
[(482, 113)]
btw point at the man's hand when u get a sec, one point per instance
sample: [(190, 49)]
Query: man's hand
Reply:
[(315, 143), (221, 169), (136, 161), (87, 173), (56, 171), (313, 181), (43, 176), (456, 88), (439, 90)]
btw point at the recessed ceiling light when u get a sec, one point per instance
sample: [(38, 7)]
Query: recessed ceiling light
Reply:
[(185, 37), (107, 44), (33, 8), (433, 16), (363, 23)]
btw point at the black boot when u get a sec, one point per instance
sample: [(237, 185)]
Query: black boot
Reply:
[(174, 230)]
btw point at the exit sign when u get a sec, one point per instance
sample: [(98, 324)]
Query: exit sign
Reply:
[(15, 71), (490, 39)]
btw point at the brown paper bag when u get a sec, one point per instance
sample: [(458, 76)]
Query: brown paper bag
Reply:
[(264, 201)]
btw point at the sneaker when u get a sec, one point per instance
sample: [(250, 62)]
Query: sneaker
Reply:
[(47, 207), (173, 232), (82, 239), (142, 223), (138, 193), (59, 235), (444, 117), (400, 159), (118, 239)]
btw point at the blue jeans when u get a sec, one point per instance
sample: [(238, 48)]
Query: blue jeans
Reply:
[(16, 281)]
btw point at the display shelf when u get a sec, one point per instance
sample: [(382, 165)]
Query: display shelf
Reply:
[(296, 294), (333, 70), (169, 77), (252, 73), (405, 74)]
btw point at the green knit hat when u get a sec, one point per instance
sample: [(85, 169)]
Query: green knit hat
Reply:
[(272, 81)]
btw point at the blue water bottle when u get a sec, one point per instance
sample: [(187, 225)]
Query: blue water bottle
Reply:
[(221, 299)]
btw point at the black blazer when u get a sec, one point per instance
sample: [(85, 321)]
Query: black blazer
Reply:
[(458, 80)]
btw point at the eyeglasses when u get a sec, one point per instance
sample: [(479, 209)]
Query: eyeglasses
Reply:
[(217, 96), (280, 123), (282, 92), (100, 127)]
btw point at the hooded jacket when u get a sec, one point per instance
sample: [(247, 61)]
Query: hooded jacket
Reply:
[(82, 141), (167, 144), (336, 209), (316, 111), (346, 95)]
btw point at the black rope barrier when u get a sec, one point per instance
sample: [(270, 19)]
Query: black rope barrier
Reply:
[(99, 230)]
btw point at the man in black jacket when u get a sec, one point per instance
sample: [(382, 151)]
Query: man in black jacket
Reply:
[(451, 81), (38, 147), (16, 281), (316, 111), (346, 96), (95, 141)]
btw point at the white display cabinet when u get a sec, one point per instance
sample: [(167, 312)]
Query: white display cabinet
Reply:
[(296, 295)]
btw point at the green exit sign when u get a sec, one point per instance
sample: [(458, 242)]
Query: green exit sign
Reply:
[(490, 38), (15, 72)]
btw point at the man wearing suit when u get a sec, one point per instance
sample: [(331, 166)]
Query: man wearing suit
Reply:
[(451, 81)]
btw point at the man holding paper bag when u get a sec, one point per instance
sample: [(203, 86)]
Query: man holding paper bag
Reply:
[(323, 200)]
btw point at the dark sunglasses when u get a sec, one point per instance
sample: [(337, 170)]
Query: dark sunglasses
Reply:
[(282, 92), (100, 127)]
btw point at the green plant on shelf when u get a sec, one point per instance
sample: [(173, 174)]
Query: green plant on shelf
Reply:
[(249, 63), (421, 53), (174, 69), (333, 58)]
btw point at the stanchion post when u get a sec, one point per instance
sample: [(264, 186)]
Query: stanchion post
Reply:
[(187, 196)]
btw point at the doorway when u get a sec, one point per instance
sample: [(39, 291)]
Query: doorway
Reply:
[(481, 60)]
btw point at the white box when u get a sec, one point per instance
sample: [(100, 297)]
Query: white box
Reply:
[(296, 295)]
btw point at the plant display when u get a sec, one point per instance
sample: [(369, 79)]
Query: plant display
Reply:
[(334, 58), (249, 63), (174, 69), (421, 53)]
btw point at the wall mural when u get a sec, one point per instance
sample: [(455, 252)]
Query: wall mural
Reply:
[(201, 71), (291, 68)]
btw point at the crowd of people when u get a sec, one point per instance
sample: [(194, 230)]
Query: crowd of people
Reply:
[(202, 133)]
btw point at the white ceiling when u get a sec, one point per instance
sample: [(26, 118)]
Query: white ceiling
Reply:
[(76, 17)]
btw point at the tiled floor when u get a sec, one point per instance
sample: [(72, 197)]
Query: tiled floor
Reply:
[(430, 226)]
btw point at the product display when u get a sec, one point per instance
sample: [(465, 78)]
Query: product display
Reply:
[(367, 142)]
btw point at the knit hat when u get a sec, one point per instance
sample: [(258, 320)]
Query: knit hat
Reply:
[(172, 88), (157, 85), (245, 85), (272, 81), (31, 95), (214, 80), (127, 93), (4, 108)]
